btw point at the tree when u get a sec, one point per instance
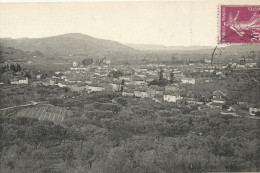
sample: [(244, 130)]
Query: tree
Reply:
[(28, 75), (1, 55), (172, 77), (122, 85), (12, 67), (44, 76), (18, 67), (115, 74), (122, 101), (87, 61), (161, 74), (173, 59)]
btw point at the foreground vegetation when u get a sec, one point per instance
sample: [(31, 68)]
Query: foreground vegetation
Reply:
[(109, 133)]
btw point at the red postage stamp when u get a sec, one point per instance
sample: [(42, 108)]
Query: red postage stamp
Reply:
[(239, 24)]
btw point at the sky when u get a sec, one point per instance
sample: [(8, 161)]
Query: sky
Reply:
[(188, 23)]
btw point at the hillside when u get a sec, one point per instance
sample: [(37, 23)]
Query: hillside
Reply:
[(195, 49), (76, 47), (67, 44), (10, 53), (156, 47)]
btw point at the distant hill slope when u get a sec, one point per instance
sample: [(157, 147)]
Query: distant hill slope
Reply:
[(10, 53), (157, 47), (67, 44), (201, 49), (76, 47)]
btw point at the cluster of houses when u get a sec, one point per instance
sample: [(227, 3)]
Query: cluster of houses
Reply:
[(136, 80), (19, 78)]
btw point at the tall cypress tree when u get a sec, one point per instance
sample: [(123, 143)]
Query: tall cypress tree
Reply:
[(161, 74), (171, 77)]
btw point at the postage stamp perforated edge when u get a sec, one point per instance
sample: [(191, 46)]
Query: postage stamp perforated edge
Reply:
[(219, 24)]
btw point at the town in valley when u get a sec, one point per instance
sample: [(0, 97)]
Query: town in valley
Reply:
[(129, 87)]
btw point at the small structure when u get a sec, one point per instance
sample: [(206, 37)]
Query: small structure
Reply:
[(178, 75), (188, 80), (220, 95), (75, 64), (19, 81), (94, 88), (128, 93), (254, 111), (77, 88), (137, 80), (171, 97), (108, 62), (140, 92), (38, 76), (219, 99), (158, 98), (173, 88), (154, 90)]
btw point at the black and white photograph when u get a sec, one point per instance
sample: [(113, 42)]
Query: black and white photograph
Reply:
[(129, 86)]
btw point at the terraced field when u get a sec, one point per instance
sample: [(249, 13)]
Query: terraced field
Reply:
[(51, 113)]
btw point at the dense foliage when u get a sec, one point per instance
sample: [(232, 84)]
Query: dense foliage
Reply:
[(108, 133)]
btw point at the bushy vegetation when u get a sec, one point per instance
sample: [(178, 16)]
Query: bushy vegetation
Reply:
[(13, 95), (108, 133)]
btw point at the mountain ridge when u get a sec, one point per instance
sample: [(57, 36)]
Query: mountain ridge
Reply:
[(67, 44)]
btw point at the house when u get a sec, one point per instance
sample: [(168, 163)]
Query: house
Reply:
[(254, 111), (116, 86), (136, 80), (173, 88), (242, 103), (77, 88), (219, 99), (251, 65), (129, 90), (128, 93), (52, 82), (188, 80), (150, 79), (61, 85), (75, 64), (154, 90), (94, 88), (63, 77), (158, 98), (171, 97), (36, 83), (215, 105), (107, 62), (219, 96), (23, 80), (181, 101), (78, 69), (125, 78), (38, 76), (19, 81), (178, 75), (14, 81), (140, 92)]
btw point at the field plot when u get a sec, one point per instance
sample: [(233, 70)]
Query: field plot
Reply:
[(51, 113)]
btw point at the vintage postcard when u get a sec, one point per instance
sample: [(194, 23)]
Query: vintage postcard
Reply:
[(129, 86)]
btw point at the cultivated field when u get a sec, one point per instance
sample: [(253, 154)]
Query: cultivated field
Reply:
[(51, 113)]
